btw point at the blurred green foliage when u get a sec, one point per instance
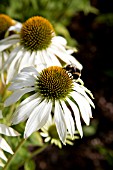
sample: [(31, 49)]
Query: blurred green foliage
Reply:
[(59, 13)]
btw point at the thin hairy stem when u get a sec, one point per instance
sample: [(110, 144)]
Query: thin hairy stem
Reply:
[(13, 156)]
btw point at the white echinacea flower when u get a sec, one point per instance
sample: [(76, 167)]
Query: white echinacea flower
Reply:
[(49, 132), (8, 131), (36, 43), (8, 26), (53, 91)]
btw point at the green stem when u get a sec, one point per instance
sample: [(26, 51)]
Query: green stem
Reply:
[(33, 154), (38, 151), (13, 156)]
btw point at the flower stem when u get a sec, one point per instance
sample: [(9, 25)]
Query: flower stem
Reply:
[(33, 154), (38, 151), (13, 156)]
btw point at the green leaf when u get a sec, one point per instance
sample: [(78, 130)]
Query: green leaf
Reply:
[(29, 165), (36, 139)]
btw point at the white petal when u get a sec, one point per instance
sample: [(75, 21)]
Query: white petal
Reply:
[(4, 145), (47, 58), (39, 58), (11, 37), (81, 90), (44, 134), (22, 76), (24, 60), (28, 99), (2, 155), (83, 106), (21, 84), (73, 60), (17, 95), (8, 131), (63, 55), (8, 44), (38, 118), (60, 122), (47, 139), (48, 123), (2, 164), (9, 41), (54, 59), (22, 113), (30, 70), (68, 119), (16, 27), (31, 59), (59, 39), (12, 56), (77, 116), (13, 68), (59, 53)]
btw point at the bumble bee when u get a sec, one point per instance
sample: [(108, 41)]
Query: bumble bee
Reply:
[(73, 70)]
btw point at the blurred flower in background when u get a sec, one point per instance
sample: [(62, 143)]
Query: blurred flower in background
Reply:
[(49, 133), (8, 26)]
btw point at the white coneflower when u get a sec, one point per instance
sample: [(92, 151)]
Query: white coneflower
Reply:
[(5, 23), (8, 131), (7, 26), (49, 132), (53, 92), (36, 43)]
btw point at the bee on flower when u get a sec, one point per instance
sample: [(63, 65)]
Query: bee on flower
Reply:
[(52, 91)]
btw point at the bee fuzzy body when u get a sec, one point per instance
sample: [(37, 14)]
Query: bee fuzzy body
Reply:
[(73, 70)]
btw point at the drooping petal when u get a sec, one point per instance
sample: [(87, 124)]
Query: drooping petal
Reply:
[(60, 122), (17, 95), (77, 116), (47, 58), (13, 68), (84, 106), (22, 76), (8, 131), (39, 58), (62, 55), (19, 85), (30, 70), (81, 90), (2, 155), (54, 59), (12, 56), (48, 123), (68, 119), (24, 60), (8, 42), (31, 59), (22, 113), (4, 145), (27, 100), (38, 118), (17, 27)]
